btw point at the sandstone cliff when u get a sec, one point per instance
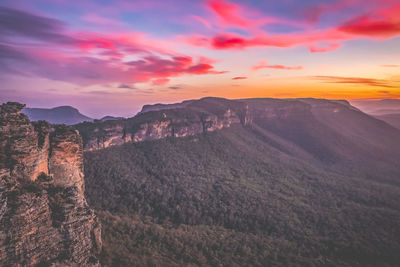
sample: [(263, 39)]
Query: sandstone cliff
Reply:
[(161, 121), (44, 217)]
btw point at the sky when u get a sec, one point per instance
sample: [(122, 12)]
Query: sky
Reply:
[(112, 57)]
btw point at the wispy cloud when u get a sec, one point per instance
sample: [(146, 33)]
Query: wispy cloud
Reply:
[(356, 80), (88, 58), (16, 23), (379, 22), (126, 86), (265, 65)]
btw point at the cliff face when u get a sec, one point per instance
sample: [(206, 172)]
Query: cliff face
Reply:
[(162, 121), (44, 217), (194, 117)]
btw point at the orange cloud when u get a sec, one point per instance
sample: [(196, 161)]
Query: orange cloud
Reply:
[(356, 80)]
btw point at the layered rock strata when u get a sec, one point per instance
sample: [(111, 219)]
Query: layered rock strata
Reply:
[(44, 217), (161, 121)]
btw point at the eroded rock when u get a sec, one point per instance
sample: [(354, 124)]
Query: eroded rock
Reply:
[(159, 121), (44, 217)]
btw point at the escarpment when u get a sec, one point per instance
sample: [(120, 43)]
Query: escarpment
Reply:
[(162, 121), (194, 117), (44, 217)]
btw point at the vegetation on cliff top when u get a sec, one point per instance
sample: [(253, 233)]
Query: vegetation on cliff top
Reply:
[(235, 197)]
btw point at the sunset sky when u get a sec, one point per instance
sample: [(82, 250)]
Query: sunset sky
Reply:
[(111, 57)]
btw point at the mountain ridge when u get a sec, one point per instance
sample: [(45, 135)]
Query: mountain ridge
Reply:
[(309, 182), (215, 182), (387, 110), (58, 115), (120, 131), (198, 116)]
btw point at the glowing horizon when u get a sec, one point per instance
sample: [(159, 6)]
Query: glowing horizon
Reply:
[(110, 58)]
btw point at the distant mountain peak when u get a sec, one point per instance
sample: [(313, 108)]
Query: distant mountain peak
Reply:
[(65, 108), (57, 115)]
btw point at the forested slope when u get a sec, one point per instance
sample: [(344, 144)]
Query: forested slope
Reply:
[(254, 194)]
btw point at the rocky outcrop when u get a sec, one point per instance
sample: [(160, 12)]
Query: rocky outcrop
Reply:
[(99, 135), (44, 217), (161, 121), (65, 159), (157, 107)]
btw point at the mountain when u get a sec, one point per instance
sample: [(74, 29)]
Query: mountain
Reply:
[(378, 107), (250, 182), (44, 217), (159, 106), (208, 114), (387, 110), (60, 115), (392, 119)]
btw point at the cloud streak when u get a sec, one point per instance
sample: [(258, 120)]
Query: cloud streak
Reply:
[(88, 58), (356, 80), (15, 23), (264, 65), (234, 15), (126, 86), (379, 23)]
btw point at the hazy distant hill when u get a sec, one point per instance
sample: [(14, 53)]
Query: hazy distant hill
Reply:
[(393, 119), (387, 110), (58, 115), (299, 182), (378, 107)]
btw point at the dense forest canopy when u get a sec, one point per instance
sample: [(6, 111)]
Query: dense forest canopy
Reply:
[(296, 188)]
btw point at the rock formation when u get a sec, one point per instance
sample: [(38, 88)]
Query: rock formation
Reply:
[(161, 121), (44, 217)]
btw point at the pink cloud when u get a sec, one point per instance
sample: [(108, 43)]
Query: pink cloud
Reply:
[(367, 26), (330, 47), (89, 58), (239, 78), (203, 68), (152, 67), (229, 13), (160, 81), (90, 70), (234, 15), (264, 65), (235, 41), (379, 23)]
